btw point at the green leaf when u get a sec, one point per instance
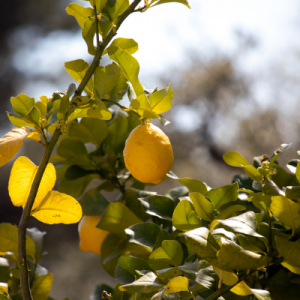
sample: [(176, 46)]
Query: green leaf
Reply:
[(112, 248), (129, 66), (77, 69), (4, 270), (224, 233), (189, 270), (261, 294), (80, 100), (163, 235), (144, 234), (128, 45), (3, 297), (100, 4), (159, 206), (69, 148), (104, 26), (115, 8), (253, 173), (79, 12), (19, 121), (33, 116), (93, 203), (88, 33), (270, 188), (97, 110), (64, 105), (207, 278), (185, 2), (247, 245), (22, 104), (9, 240), (292, 192), (161, 101), (286, 210), (169, 254), (184, 216), (176, 285), (223, 195), (235, 159), (231, 256), (119, 89), (291, 267), (229, 278), (229, 211), (117, 134), (126, 268), (105, 79), (203, 243), (292, 165), (41, 287), (117, 217), (75, 187), (298, 171), (278, 152), (37, 237), (145, 284), (192, 184), (203, 207), (261, 201), (133, 203), (89, 130), (244, 224), (142, 106), (176, 193), (42, 108)]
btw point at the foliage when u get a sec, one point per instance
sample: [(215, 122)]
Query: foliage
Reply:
[(192, 242)]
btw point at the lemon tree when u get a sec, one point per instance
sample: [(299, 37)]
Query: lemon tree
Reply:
[(191, 242)]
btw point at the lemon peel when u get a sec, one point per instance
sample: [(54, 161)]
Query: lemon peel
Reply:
[(148, 154), (91, 237)]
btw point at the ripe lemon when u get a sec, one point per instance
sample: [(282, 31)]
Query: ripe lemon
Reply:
[(91, 237), (148, 154)]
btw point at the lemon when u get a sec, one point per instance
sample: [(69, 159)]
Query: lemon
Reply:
[(91, 237), (148, 154)]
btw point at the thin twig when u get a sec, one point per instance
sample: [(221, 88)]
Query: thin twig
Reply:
[(97, 29), (22, 260), (227, 288)]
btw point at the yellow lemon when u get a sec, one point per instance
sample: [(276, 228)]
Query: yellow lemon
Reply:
[(148, 154), (91, 237)]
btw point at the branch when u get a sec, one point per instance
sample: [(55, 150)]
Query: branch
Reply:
[(227, 288), (22, 260), (97, 29)]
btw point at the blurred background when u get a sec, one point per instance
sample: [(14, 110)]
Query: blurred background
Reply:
[(233, 65)]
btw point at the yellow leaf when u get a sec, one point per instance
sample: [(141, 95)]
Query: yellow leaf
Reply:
[(292, 268), (177, 284), (241, 289), (58, 208), (11, 142), (34, 136), (228, 278), (3, 288), (21, 178)]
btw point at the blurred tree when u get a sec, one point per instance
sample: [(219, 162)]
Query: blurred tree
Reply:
[(218, 101), (20, 22)]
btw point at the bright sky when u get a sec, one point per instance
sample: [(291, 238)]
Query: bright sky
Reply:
[(166, 32)]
